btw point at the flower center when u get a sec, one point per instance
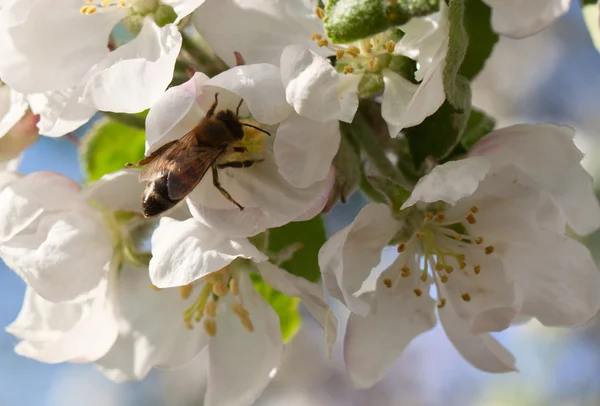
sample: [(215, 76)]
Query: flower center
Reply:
[(249, 150), (214, 288), (442, 248)]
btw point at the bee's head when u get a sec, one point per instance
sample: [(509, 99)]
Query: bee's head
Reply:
[(231, 121)]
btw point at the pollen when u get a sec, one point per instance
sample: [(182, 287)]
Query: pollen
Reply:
[(239, 309), (424, 277), (489, 249), (448, 269), (442, 303), (210, 309), (353, 50), (471, 218), (440, 217), (210, 326), (417, 292), (220, 289), (420, 235), (188, 324), (185, 291), (439, 267), (479, 240), (444, 278), (373, 64), (390, 46), (233, 287), (401, 247), (405, 271), (316, 37), (348, 69), (339, 54), (458, 237), (247, 323), (466, 297), (477, 269), (322, 43), (87, 10), (474, 209), (462, 264), (429, 215), (320, 13), (367, 47), (387, 282)]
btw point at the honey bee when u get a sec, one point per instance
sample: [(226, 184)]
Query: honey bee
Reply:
[(176, 168)]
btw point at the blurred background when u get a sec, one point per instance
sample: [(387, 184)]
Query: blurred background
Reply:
[(551, 77)]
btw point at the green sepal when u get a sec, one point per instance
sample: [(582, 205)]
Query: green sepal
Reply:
[(478, 126)]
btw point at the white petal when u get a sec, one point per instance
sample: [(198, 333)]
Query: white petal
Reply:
[(397, 95), (183, 8), (119, 191), (311, 294), (304, 149), (268, 200), (259, 30), (241, 364), (311, 84), (44, 230), (175, 113), (261, 89), (60, 112), (449, 182), (558, 278), (348, 96), (60, 332), (482, 351), (12, 108), (372, 343), (184, 251), (152, 329), (547, 153), (50, 46), (518, 19), (348, 257), (134, 76)]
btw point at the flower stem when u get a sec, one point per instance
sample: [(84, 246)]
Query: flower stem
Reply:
[(208, 62)]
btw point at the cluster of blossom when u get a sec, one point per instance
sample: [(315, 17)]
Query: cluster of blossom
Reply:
[(481, 240)]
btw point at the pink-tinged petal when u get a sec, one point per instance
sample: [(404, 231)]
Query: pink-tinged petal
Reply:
[(184, 251), (304, 149), (374, 342), (242, 363), (134, 76), (482, 350), (349, 255)]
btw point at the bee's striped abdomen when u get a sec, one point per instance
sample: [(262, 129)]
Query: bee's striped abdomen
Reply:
[(156, 198)]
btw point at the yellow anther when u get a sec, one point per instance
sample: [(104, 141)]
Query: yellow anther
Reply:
[(316, 37), (210, 308), (489, 249), (442, 303), (444, 278), (479, 240), (420, 235), (348, 69), (219, 288), (401, 247), (247, 323), (188, 324), (233, 287), (461, 257), (121, 4), (185, 291), (239, 309), (322, 42), (353, 50), (88, 1), (87, 10), (429, 215), (424, 277), (339, 54), (440, 217), (367, 47), (155, 288), (320, 13), (417, 292), (466, 297), (373, 64), (405, 271), (448, 269), (462, 264), (210, 326), (474, 209), (387, 282), (390, 46), (439, 267), (477, 269), (106, 3), (458, 237), (471, 218)]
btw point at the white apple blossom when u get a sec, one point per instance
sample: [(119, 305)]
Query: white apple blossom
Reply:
[(194, 272), (293, 177), (58, 54), (259, 30), (518, 19), (493, 248)]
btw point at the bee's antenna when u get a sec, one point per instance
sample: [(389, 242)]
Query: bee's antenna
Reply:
[(237, 111), (257, 128)]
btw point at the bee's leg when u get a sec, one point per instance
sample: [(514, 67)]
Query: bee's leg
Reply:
[(225, 193), (237, 111), (212, 109), (152, 156), (239, 164)]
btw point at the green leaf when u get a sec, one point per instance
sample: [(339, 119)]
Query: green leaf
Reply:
[(478, 126), (108, 146), (309, 236), (286, 308), (351, 20), (482, 38)]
